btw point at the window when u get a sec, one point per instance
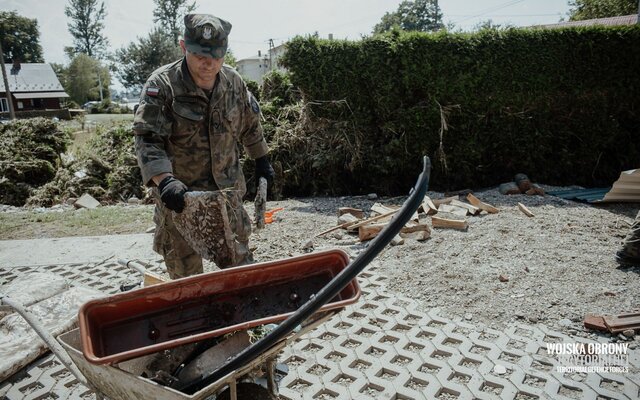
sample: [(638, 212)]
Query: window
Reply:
[(4, 106), (20, 105)]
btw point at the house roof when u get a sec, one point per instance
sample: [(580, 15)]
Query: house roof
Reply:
[(32, 77), (631, 19)]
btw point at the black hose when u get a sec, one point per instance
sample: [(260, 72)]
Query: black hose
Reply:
[(327, 293)]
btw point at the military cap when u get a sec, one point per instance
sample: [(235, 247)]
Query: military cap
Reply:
[(206, 35)]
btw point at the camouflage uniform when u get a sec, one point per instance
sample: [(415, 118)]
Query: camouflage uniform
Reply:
[(629, 255), (181, 130)]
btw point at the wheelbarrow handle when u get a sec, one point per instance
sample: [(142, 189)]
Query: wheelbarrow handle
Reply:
[(49, 340), (325, 294)]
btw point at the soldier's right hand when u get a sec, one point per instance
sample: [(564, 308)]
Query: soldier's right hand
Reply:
[(172, 193)]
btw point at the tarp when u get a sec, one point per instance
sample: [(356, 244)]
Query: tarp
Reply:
[(625, 189), (19, 343)]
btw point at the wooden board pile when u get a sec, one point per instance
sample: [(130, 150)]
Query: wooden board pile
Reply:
[(448, 212)]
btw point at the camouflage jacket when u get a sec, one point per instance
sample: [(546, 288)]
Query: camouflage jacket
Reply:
[(181, 131)]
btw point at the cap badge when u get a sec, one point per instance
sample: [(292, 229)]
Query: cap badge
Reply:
[(207, 33)]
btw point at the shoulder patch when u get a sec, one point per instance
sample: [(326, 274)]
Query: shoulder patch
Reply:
[(254, 105), (152, 91)]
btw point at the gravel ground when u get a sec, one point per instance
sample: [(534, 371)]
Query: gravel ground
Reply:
[(559, 264)]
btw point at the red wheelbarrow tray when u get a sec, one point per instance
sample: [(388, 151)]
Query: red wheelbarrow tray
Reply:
[(171, 314)]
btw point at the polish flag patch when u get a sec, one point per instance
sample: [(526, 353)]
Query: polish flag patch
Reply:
[(152, 91)]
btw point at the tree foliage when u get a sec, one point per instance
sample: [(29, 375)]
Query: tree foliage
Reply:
[(80, 79), (138, 60), (86, 26), (20, 38), (169, 13), (590, 9), (417, 15)]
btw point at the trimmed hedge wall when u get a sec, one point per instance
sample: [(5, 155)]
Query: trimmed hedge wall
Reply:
[(561, 105)]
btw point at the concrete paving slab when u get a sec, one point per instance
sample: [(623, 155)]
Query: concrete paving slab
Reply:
[(75, 250), (383, 347)]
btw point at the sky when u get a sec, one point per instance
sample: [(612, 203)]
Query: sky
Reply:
[(255, 22)]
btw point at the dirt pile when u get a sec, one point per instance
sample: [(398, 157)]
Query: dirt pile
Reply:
[(29, 157)]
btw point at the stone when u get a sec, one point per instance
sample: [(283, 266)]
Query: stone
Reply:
[(86, 201), (503, 278), (468, 317), (629, 333), (565, 322), (372, 196), (308, 245), (133, 200)]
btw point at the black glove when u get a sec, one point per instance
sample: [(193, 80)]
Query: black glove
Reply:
[(264, 170), (172, 193)]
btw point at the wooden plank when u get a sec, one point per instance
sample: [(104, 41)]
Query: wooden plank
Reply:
[(372, 219), (473, 210), (368, 232), (356, 212), (481, 205), (459, 211), (382, 209), (446, 200), (335, 228), (438, 222), (525, 210), (428, 207), (622, 322), (419, 235)]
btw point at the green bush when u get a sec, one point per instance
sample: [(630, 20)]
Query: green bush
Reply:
[(560, 105)]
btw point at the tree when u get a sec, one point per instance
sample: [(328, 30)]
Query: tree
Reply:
[(86, 27), (169, 14), (417, 15), (138, 60), (20, 38), (590, 9), (81, 79), (230, 59)]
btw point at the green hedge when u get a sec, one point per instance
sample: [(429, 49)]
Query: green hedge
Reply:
[(561, 105)]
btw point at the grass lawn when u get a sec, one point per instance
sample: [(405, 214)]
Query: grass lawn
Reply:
[(99, 221)]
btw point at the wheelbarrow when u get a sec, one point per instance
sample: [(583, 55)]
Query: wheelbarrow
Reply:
[(117, 332)]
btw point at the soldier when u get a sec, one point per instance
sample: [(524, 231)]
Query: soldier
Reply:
[(629, 254), (193, 114)]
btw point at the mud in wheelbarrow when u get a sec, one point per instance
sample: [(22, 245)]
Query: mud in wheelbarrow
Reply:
[(156, 318)]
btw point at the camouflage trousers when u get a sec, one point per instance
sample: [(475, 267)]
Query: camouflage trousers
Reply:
[(629, 254), (181, 259)]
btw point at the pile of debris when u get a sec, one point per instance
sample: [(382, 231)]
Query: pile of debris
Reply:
[(109, 172), (521, 185), (446, 213), (29, 157)]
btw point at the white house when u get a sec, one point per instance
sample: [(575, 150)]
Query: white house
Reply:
[(253, 68), (256, 67)]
